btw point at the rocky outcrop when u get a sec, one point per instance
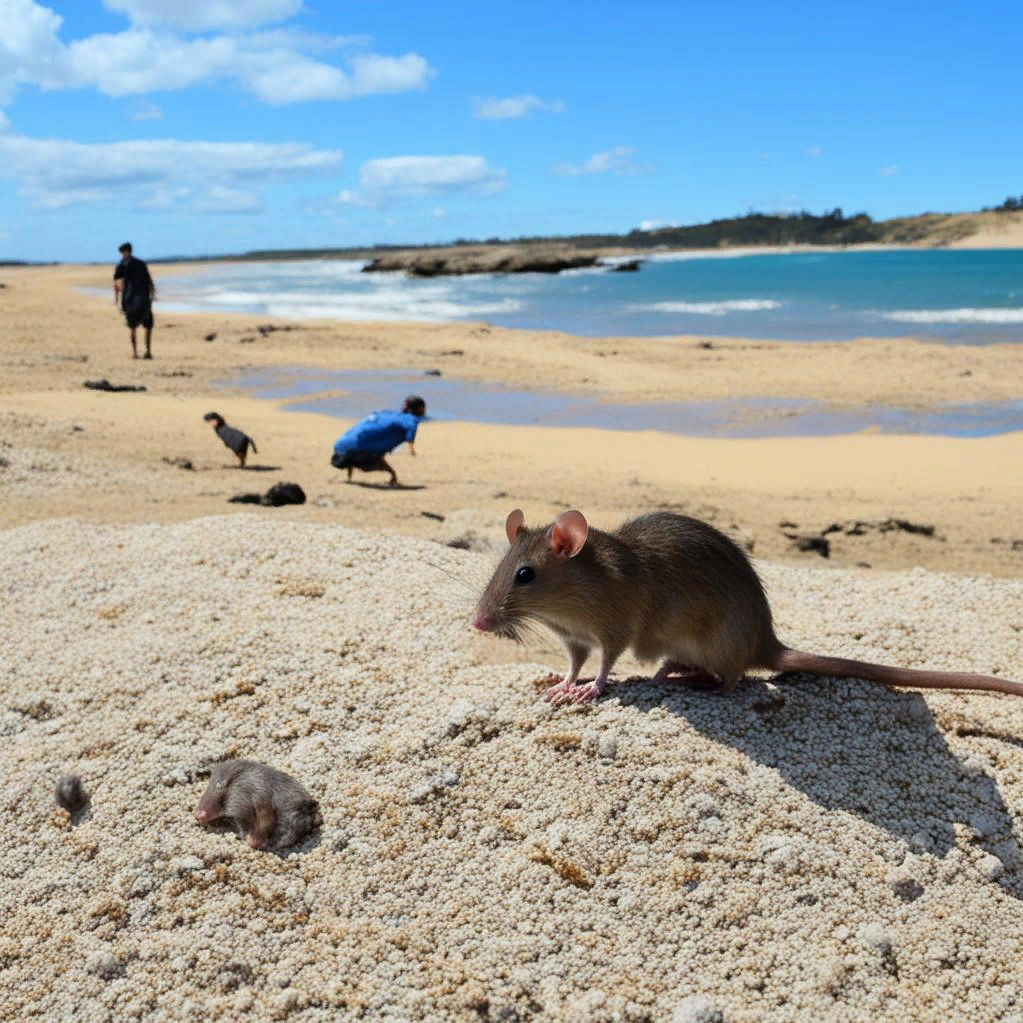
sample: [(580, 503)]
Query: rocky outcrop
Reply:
[(460, 260)]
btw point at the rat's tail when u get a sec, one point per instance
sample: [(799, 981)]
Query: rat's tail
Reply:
[(255, 450), (787, 659)]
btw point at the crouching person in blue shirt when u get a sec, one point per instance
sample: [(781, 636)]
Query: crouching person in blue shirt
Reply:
[(363, 446)]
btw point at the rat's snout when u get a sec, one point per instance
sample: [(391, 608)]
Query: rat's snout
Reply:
[(483, 622), (202, 815)]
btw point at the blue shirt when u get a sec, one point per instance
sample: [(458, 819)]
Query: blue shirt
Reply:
[(377, 434)]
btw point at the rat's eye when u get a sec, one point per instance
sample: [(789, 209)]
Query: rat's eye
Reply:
[(524, 575)]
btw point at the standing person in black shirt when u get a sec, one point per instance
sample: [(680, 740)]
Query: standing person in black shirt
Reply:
[(134, 291)]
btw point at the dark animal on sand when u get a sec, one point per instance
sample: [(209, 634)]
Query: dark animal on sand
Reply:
[(269, 808), (233, 439)]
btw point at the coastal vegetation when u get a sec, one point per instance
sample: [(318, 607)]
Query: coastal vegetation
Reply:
[(754, 228)]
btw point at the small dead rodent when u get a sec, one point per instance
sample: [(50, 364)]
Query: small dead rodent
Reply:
[(268, 807), (672, 588), (70, 793)]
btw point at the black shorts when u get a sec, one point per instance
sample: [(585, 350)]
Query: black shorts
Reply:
[(356, 460), (140, 315)]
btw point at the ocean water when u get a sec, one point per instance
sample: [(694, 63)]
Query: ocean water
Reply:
[(964, 296)]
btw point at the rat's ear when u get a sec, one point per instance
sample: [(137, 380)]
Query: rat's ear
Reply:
[(568, 534), (515, 521)]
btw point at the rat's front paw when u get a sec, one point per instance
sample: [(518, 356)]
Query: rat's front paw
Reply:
[(585, 694)]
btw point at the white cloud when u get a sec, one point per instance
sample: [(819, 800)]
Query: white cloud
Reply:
[(814, 151), (373, 75), (653, 225), (278, 65), (146, 111), (153, 174), (163, 198), (222, 199), (439, 213), (4, 122), (612, 161), (202, 15), (494, 109), (887, 172), (399, 177)]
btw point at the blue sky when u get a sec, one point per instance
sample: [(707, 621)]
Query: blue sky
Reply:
[(208, 126)]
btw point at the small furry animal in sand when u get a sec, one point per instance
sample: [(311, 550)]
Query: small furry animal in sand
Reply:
[(268, 807), (234, 439), (673, 589), (70, 793)]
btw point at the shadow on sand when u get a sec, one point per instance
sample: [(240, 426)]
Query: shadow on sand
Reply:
[(259, 468), (853, 747), (385, 486)]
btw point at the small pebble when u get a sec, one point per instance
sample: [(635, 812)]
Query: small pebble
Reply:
[(697, 1009), (992, 867), (71, 793), (105, 965)]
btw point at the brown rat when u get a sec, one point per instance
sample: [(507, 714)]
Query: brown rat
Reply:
[(268, 807), (672, 588)]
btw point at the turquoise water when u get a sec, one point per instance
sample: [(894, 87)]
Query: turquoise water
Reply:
[(958, 296)]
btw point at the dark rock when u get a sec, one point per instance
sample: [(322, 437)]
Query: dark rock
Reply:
[(629, 267), (499, 259), (860, 527), (284, 493), (277, 495), (70, 793), (433, 373), (811, 542), (106, 385), (180, 463), (211, 336), (432, 515)]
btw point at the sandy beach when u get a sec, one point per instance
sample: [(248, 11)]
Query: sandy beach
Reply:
[(805, 849), (88, 445)]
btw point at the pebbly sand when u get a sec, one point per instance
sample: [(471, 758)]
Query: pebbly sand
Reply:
[(805, 849)]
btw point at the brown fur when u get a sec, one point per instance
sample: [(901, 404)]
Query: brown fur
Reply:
[(270, 808), (670, 587)]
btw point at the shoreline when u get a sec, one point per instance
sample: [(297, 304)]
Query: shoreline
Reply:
[(101, 456), (508, 300)]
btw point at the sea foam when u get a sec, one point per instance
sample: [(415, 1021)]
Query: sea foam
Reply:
[(734, 305), (955, 315)]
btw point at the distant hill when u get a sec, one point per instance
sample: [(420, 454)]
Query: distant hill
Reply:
[(1001, 227)]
